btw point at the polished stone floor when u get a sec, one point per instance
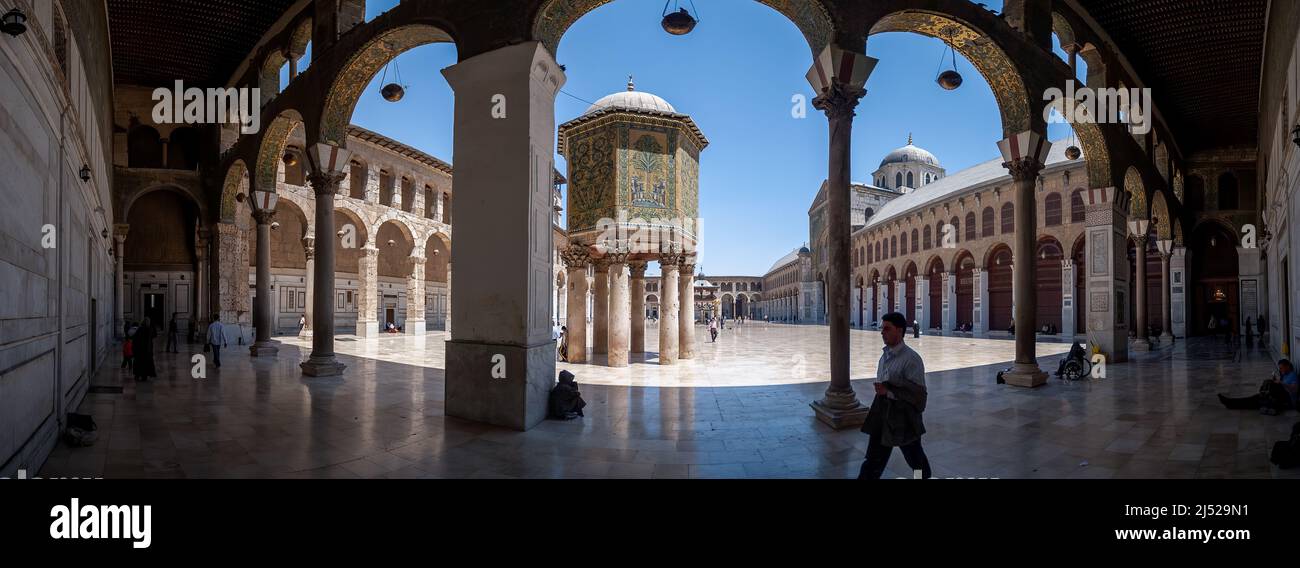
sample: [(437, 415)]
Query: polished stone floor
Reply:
[(754, 354), (1156, 417)]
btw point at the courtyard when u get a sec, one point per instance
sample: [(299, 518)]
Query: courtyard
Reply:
[(739, 409)]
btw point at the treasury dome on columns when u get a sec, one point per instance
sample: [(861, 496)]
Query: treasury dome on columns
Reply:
[(633, 170)]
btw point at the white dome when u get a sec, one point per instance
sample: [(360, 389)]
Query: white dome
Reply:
[(909, 153), (632, 100)]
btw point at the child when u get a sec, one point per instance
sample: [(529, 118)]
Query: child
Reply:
[(128, 352)]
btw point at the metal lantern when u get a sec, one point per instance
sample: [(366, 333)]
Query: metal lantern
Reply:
[(14, 22), (949, 80), (85, 173), (275, 225), (290, 159), (1073, 152), (393, 92), (680, 22)]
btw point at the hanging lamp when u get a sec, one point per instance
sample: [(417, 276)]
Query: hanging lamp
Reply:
[(950, 79), (680, 21), (393, 92), (1072, 152)]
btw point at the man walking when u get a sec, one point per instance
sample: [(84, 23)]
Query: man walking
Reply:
[(895, 416), (216, 338)]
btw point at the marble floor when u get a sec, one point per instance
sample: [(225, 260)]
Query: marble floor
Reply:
[(754, 354), (745, 414)]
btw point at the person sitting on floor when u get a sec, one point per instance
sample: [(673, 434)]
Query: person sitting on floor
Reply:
[(1275, 395)]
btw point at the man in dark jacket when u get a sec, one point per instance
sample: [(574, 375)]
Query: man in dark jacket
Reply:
[(895, 416)]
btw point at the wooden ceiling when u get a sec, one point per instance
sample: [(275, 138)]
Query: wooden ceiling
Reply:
[(201, 42), (1201, 59)]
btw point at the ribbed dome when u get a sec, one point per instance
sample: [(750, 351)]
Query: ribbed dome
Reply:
[(632, 99), (909, 153)]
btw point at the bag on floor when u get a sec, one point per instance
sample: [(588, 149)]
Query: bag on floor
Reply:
[(81, 430), (1286, 454)]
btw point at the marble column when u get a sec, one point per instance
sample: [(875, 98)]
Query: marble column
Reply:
[(308, 313), (415, 297), (669, 309), (1166, 324), (839, 408), (620, 308), (325, 178), (600, 308), (1141, 342), (368, 292), (1107, 272), (637, 268), (501, 360), (949, 302), (900, 298), (1025, 372), (686, 300), (855, 311), (576, 259), (262, 313), (980, 302), (119, 255), (923, 302)]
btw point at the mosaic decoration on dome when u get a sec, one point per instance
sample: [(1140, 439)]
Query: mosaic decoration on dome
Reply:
[(555, 17), (646, 171), (591, 156), (361, 68)]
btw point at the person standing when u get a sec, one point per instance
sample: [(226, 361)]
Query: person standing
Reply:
[(173, 330), (142, 345), (302, 322), (216, 339), (713, 330), (895, 416)]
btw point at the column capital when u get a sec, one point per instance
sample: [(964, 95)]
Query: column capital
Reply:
[(637, 268), (575, 256), (263, 217), (601, 263), (670, 261), (1023, 154), (839, 100), (325, 183), (1024, 169), (618, 256)]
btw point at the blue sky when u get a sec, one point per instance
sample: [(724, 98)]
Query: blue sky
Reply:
[(735, 75)]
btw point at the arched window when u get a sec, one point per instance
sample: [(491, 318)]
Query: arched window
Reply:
[(1008, 218), (893, 247), (430, 206), (915, 241), (903, 240), (870, 212), (183, 149), (898, 180), (956, 230), (357, 181), (446, 208), (408, 195), (910, 183), (144, 150), (970, 226), (986, 222), (878, 251), (928, 240), (385, 188), (1194, 190), (1052, 209), (1227, 191), (1077, 212)]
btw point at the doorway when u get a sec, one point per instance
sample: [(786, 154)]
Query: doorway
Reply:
[(154, 307)]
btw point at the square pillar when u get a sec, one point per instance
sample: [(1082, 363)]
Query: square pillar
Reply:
[(981, 301), (1067, 299), (414, 324), (501, 360), (1107, 272), (368, 292), (1178, 291), (949, 302), (922, 303)]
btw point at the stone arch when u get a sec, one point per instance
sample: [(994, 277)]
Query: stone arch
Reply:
[(1160, 216), (395, 242), (998, 268), (268, 77), (184, 144), (555, 17), (274, 140), (963, 268), (437, 256), (354, 75), (993, 250), (998, 70), (188, 193), (1063, 30), (233, 190), (144, 147), (1048, 281), (300, 38), (1137, 206)]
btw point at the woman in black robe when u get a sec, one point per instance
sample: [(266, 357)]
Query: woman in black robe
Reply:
[(143, 351)]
